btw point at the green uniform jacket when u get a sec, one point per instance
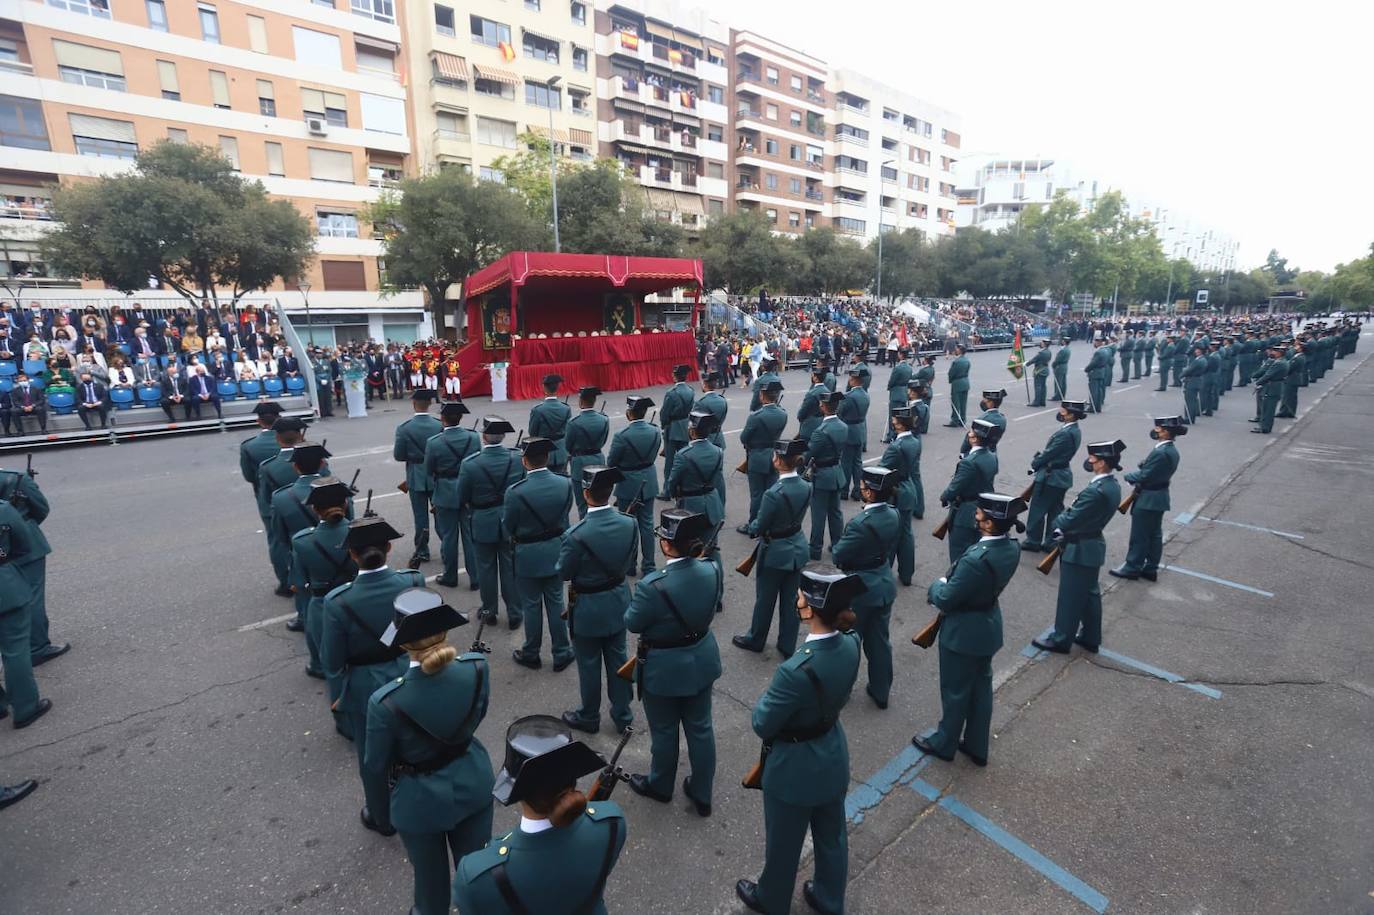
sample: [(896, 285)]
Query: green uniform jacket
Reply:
[(535, 516), (920, 417), (354, 660), (854, 413), (865, 373), (1040, 364), (444, 707), (411, 438), (585, 439), (976, 472), (809, 413), (957, 375), (685, 670), (896, 384), (1052, 465), (697, 472), (291, 515), (677, 405), (1061, 357), (273, 474), (764, 377), (782, 510), (1192, 373), (824, 449), (811, 772), (903, 455), (15, 542), (715, 403), (761, 430), (482, 483), (594, 557), (253, 451), (554, 871), (1271, 377), (444, 456), (1125, 350), (994, 416), (1082, 522), (926, 373), (1098, 362), (1166, 352), (22, 493), (1297, 371), (967, 596), (549, 419), (635, 451), (319, 559), (1151, 477), (868, 544)]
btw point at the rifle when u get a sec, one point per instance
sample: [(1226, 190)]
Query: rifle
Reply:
[(352, 484), (1127, 502), (746, 566), (754, 777), (519, 438), (602, 409), (1029, 490), (477, 643), (943, 528), (926, 636), (367, 509), (653, 416), (1046, 564), (633, 508), (607, 778), (743, 465), (626, 671), (28, 467)]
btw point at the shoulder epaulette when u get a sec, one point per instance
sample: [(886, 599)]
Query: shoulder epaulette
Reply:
[(478, 863), (598, 811), (339, 590), (387, 688)]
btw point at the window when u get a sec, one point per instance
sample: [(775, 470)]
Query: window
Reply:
[(847, 130), (267, 99), (369, 58), (579, 12), (577, 101), (770, 147), (257, 34), (715, 170), (276, 164), (888, 173), (794, 185), (539, 48), (83, 65), (331, 165), (383, 114), (796, 83), (849, 163), (209, 23), (794, 219), (229, 149), (344, 276), (381, 10), (794, 118), (91, 78), (487, 32), (543, 96), (496, 133), (715, 133), (157, 15), (21, 123), (770, 181), (771, 73), (579, 59), (532, 5), (319, 49), (715, 94), (494, 88), (167, 76), (715, 207), (100, 9), (451, 126), (103, 137), (770, 112), (794, 152), (328, 4), (771, 214), (335, 224), (177, 135), (219, 88), (443, 20), (494, 175), (331, 106), (851, 225)]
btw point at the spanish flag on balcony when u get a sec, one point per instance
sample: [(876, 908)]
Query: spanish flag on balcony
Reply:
[(629, 40), (507, 51), (674, 56)]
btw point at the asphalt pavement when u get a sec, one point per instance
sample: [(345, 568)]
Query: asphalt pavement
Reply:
[(1217, 761)]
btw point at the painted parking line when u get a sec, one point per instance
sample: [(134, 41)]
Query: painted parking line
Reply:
[(1218, 581), (274, 620), (899, 770), (1014, 846), (1188, 518), (1036, 413), (1162, 674)]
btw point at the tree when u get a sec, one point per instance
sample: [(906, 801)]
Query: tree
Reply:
[(1278, 270), (182, 216), (1352, 285), (909, 263), (832, 263), (740, 253), (443, 226)]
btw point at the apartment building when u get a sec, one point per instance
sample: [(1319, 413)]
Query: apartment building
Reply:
[(662, 79), (488, 71), (894, 159), (307, 100), (780, 149)]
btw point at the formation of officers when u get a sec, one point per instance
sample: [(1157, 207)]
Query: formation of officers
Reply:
[(411, 702)]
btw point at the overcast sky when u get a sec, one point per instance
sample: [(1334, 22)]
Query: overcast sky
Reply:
[(1253, 118)]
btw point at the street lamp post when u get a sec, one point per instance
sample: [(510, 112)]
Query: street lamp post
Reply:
[(878, 292), (305, 294), (553, 166)]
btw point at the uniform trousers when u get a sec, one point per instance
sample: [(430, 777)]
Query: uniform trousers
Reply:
[(785, 827), (434, 857), (1078, 607), (692, 716), (1147, 541), (965, 703), (775, 588), (595, 654), (542, 597)]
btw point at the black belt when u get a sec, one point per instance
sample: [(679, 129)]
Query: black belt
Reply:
[(447, 476), (583, 453), (802, 735), (834, 463), (782, 532), (634, 469), (597, 589), (1153, 488), (875, 564), (376, 656), (448, 755), (482, 505), (321, 592), (696, 492), (537, 538), (682, 642)]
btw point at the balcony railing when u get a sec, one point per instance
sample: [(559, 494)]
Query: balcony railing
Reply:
[(815, 195), (38, 209)]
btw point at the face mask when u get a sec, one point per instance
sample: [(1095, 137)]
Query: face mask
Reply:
[(1088, 465), (1060, 417), (1154, 434)]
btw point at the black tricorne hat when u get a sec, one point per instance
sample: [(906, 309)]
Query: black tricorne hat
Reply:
[(267, 408), (289, 424), (789, 447), (425, 394), (1078, 408), (995, 395), (453, 409), (308, 453), (589, 392), (681, 526), (371, 530), (900, 412), (1000, 507), (984, 429), (771, 387), (496, 425), (541, 757), (703, 421), (419, 613), (638, 402), (826, 587), (680, 371), (537, 448), (1108, 451), (326, 492), (880, 479), (1175, 424), (832, 398), (599, 476)]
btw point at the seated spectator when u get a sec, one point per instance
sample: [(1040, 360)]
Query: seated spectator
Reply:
[(60, 376), (121, 375), (118, 334), (221, 367), (92, 397), (247, 368), (213, 340), (144, 346), (202, 392), (175, 394), (35, 350), (288, 366), (24, 402), (191, 342), (94, 363)]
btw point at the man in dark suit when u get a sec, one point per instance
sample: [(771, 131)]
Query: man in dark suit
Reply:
[(288, 366), (233, 340), (91, 397), (202, 392), (376, 374), (175, 393), (26, 402)]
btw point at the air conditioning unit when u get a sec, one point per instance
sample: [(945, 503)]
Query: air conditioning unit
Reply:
[(316, 126)]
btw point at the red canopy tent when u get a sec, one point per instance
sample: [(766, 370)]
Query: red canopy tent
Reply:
[(610, 337)]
